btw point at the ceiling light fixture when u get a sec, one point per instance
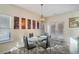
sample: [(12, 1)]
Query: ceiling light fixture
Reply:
[(42, 18)]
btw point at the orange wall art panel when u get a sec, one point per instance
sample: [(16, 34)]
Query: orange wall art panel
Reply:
[(23, 23)]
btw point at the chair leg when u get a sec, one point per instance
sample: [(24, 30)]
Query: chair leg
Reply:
[(28, 51), (45, 50), (24, 50), (50, 50)]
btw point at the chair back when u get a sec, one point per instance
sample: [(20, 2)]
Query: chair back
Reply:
[(47, 43), (26, 45)]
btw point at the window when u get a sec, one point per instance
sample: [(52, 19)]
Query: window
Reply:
[(4, 28)]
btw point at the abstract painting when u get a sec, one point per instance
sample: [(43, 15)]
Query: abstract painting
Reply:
[(29, 23), (74, 22), (16, 22), (23, 23), (37, 24), (34, 24)]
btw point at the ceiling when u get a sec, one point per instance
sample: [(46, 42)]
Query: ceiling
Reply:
[(50, 9)]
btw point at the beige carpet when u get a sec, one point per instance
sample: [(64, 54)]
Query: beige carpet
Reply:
[(40, 50)]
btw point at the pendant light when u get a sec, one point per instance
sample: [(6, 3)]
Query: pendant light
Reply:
[(42, 18)]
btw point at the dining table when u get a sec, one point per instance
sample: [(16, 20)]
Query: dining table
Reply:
[(36, 41)]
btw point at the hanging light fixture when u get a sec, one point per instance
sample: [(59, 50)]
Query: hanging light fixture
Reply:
[(42, 18)]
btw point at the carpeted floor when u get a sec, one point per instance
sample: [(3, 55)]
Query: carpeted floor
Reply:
[(56, 47), (39, 51)]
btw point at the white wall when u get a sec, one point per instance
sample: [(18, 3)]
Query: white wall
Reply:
[(17, 35), (68, 32)]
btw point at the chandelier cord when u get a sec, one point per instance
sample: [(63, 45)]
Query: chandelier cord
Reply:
[(42, 18), (41, 10)]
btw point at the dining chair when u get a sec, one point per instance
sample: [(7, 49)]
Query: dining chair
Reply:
[(27, 45), (45, 43)]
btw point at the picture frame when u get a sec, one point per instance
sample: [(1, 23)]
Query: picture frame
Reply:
[(23, 23), (16, 22), (29, 23), (33, 24), (74, 22), (38, 24)]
